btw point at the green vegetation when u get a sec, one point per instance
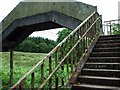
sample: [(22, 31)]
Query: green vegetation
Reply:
[(62, 34), (23, 62), (36, 45), (116, 29)]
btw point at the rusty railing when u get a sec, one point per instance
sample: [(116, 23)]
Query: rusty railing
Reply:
[(55, 70), (111, 26)]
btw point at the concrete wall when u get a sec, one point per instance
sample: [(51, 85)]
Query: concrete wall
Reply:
[(76, 10)]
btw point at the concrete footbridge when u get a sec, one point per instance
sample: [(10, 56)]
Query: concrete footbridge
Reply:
[(28, 17)]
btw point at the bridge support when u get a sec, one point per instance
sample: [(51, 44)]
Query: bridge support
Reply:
[(11, 67)]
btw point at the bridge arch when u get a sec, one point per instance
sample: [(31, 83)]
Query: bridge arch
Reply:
[(28, 17), (22, 28)]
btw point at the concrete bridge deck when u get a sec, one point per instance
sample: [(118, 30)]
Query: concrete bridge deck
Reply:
[(28, 17)]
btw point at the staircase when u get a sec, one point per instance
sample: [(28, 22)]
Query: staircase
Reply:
[(102, 69), (98, 57)]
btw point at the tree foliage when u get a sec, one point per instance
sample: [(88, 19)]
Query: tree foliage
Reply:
[(36, 44), (116, 29), (41, 45), (62, 34)]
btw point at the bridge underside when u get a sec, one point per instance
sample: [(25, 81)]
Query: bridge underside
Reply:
[(28, 17), (22, 28)]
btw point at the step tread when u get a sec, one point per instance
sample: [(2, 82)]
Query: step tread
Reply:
[(107, 44), (109, 36), (109, 48), (104, 63), (105, 52), (104, 57), (107, 70), (99, 77), (97, 86), (111, 40)]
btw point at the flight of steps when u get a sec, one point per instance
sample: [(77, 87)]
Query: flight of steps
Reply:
[(102, 69)]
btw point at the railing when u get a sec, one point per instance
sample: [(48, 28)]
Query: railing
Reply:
[(55, 70), (111, 26)]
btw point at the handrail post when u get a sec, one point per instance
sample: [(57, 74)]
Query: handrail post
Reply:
[(110, 28), (32, 80), (50, 71), (62, 66), (11, 67), (56, 77), (42, 72)]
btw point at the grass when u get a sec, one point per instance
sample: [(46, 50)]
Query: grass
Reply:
[(23, 62)]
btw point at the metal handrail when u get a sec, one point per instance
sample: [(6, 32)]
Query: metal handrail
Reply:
[(68, 54), (91, 24), (107, 26)]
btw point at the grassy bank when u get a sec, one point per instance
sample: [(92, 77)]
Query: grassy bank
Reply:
[(23, 62)]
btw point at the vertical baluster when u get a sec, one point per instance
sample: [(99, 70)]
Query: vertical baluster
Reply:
[(50, 71), (83, 44), (76, 50), (95, 29), (21, 87), (83, 39), (32, 80), (92, 30), (86, 42), (80, 42), (42, 72), (78, 46), (104, 26), (56, 77), (62, 66), (11, 67), (57, 83), (107, 29), (64, 51), (67, 59), (72, 54), (85, 27), (110, 28)]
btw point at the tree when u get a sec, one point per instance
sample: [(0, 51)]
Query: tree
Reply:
[(36, 44), (116, 29), (62, 34)]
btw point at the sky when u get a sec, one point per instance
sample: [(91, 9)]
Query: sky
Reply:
[(107, 8)]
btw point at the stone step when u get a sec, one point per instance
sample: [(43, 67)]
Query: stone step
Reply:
[(105, 45), (104, 59), (96, 80), (108, 41), (113, 49), (93, 87), (101, 72), (109, 38), (105, 54), (102, 69), (114, 66)]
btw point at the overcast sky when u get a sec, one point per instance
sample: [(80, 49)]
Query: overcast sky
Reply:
[(108, 9)]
